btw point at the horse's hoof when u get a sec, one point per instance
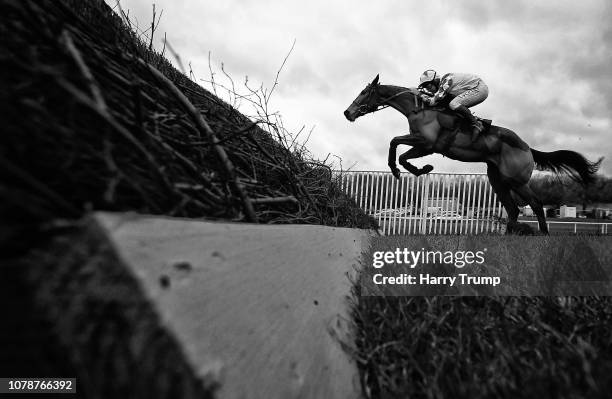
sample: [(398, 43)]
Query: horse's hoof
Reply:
[(426, 169), (396, 172)]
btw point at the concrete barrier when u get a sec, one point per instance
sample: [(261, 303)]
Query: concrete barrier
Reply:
[(72, 308), (251, 306)]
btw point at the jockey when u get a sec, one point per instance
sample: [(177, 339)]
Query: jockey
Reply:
[(467, 90)]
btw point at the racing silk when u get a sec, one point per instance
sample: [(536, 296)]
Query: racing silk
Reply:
[(453, 84)]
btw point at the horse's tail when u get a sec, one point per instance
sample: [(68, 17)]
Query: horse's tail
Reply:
[(571, 163)]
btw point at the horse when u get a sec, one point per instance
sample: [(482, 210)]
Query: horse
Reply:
[(510, 161)]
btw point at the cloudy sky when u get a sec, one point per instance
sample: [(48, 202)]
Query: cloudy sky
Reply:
[(548, 64)]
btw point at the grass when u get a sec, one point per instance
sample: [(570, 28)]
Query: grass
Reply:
[(482, 347)]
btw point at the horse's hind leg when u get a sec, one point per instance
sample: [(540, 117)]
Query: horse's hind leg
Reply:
[(527, 194), (502, 190)]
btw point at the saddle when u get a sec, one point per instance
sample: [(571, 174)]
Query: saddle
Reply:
[(455, 123), (458, 122)]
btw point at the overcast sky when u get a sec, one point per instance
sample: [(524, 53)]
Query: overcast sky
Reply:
[(548, 64)]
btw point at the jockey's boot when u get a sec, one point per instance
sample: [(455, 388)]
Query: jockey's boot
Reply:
[(476, 124)]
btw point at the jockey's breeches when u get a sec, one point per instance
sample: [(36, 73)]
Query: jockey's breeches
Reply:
[(469, 98)]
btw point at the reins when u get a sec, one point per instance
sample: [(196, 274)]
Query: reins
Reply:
[(363, 109), (418, 103)]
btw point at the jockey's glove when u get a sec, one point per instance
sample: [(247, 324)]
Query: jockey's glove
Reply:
[(424, 91), (427, 99)]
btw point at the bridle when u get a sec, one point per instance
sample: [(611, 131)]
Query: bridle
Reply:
[(364, 107)]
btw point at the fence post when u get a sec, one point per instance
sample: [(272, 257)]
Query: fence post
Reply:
[(424, 199)]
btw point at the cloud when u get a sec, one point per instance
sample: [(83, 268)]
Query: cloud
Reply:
[(547, 63)]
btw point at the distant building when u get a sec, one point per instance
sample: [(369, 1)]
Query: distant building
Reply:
[(567, 211), (548, 211), (443, 203), (436, 205)]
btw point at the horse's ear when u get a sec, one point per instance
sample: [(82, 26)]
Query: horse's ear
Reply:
[(375, 81)]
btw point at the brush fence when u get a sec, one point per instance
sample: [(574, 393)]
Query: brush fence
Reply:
[(436, 203)]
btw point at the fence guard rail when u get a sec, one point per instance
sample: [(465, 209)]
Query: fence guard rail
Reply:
[(435, 203)]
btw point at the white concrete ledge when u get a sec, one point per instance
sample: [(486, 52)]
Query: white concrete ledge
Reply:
[(251, 305)]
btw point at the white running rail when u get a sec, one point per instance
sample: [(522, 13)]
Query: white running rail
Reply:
[(435, 203)]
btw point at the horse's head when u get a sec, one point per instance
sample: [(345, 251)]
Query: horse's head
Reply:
[(367, 101)]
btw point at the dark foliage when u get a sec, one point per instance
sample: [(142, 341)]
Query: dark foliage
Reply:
[(565, 191)]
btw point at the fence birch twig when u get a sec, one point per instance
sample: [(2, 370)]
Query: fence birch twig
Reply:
[(99, 105), (271, 200), (203, 126), (91, 81)]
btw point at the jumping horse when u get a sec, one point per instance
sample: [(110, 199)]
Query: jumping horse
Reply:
[(510, 161)]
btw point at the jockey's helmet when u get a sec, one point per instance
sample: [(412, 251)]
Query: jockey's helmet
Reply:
[(428, 76)]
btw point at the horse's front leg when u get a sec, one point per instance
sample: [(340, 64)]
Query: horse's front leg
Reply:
[(415, 152), (419, 149)]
